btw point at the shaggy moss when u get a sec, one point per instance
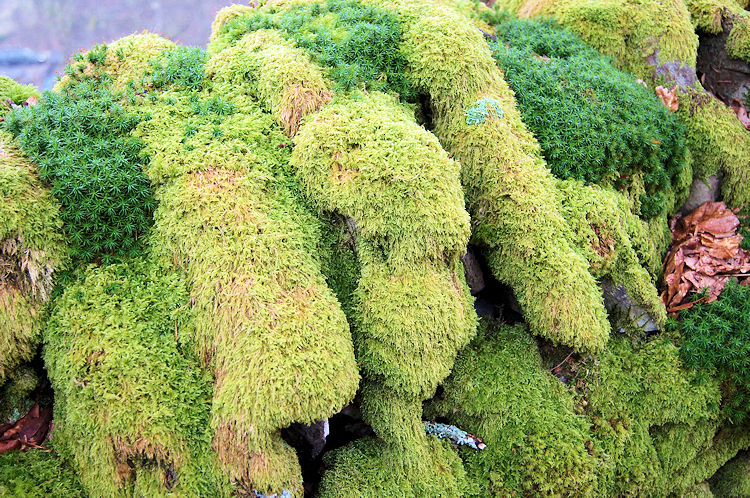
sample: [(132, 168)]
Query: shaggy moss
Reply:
[(369, 468), (738, 43), (536, 443), (281, 76), (32, 252), (37, 474), (717, 340), (603, 229), (509, 190), (646, 408), (733, 479), (16, 92), (128, 402), (593, 122), (718, 142), (711, 16)]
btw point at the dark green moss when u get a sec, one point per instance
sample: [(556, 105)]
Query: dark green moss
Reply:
[(717, 341), (37, 473), (593, 122), (80, 141), (181, 67), (359, 44)]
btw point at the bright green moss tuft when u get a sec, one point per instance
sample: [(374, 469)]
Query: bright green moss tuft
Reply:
[(368, 468), (738, 43), (37, 474), (593, 122), (80, 140), (536, 443), (181, 67), (717, 341), (128, 401), (16, 92)]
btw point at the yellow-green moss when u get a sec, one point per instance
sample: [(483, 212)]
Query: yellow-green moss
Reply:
[(128, 401), (738, 43), (16, 92), (281, 76), (33, 251), (536, 442), (37, 473), (719, 143), (603, 228), (509, 190)]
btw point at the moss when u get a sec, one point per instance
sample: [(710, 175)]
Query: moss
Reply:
[(15, 395), (127, 61), (37, 474), (368, 468), (128, 400), (593, 122), (718, 142), (32, 252), (357, 43), (280, 75), (80, 140), (603, 231), (509, 190), (647, 408), (738, 43), (16, 92), (733, 479), (536, 442)]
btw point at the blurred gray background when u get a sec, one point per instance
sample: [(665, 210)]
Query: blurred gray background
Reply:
[(37, 37)]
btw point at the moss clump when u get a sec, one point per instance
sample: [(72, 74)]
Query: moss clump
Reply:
[(15, 395), (611, 238), (37, 474), (265, 65), (356, 42), (80, 140), (593, 122), (716, 341), (16, 92), (509, 190), (713, 16), (32, 252), (651, 417), (718, 142), (738, 43), (368, 468), (536, 443), (128, 400), (733, 479), (181, 67)]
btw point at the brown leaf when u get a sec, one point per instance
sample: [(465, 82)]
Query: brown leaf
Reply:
[(705, 253), (668, 97), (739, 109), (29, 431)]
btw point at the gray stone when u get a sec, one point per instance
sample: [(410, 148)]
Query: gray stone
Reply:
[(473, 272), (702, 191)]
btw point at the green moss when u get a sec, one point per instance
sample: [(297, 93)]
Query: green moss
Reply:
[(604, 231), (16, 92), (718, 142), (509, 190), (33, 251), (536, 442), (593, 122), (37, 474), (738, 43), (128, 401), (368, 468), (717, 338), (181, 67), (281, 76), (733, 479), (15, 395), (358, 43), (80, 141)]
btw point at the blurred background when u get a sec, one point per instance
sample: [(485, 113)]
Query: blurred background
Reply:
[(37, 37)]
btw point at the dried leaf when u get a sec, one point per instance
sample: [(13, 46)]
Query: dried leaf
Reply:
[(705, 253), (739, 109), (668, 97), (29, 431)]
